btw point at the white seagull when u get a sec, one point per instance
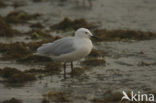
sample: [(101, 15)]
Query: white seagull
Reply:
[(68, 49)]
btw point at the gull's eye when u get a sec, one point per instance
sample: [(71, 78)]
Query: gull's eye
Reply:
[(86, 32)]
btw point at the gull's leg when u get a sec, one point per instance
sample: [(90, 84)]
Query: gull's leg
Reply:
[(65, 70), (72, 69)]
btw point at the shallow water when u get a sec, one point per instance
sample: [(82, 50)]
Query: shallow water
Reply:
[(123, 69), (122, 72), (109, 14)]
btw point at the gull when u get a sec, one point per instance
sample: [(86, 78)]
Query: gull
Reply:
[(68, 49)]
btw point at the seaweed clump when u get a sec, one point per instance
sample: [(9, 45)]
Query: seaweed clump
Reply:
[(36, 34), (20, 17), (34, 59), (12, 75), (2, 4), (96, 53), (34, 45), (40, 34), (17, 4), (44, 100), (58, 97), (20, 50), (53, 68), (94, 61), (109, 97), (68, 24), (50, 68), (142, 63), (118, 35), (6, 30), (14, 50), (37, 25), (78, 71), (37, 1), (12, 100)]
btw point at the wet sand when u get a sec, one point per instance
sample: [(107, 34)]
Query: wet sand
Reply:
[(129, 65)]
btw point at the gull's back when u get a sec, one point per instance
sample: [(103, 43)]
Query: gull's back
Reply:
[(58, 47)]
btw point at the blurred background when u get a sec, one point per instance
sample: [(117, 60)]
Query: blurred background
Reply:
[(123, 57)]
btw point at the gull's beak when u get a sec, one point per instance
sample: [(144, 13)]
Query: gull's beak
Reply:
[(94, 37)]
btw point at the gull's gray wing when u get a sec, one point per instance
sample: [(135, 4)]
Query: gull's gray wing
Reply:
[(58, 47)]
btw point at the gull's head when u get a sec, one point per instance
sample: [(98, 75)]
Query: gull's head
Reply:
[(83, 33)]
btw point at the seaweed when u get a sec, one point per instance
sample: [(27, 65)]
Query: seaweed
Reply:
[(68, 24), (98, 100), (12, 100), (17, 4), (61, 97), (20, 17), (142, 63), (14, 50), (39, 34), (57, 97), (109, 97), (2, 4), (20, 50), (37, 25), (96, 53), (78, 71), (50, 69), (123, 35), (93, 61), (34, 45), (12, 75), (44, 100), (34, 59), (54, 67), (6, 29), (37, 1)]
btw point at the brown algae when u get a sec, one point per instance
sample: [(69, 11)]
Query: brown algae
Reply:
[(6, 29), (34, 59), (16, 4), (37, 0), (37, 25), (96, 53), (78, 71), (68, 24), (93, 61), (19, 50), (12, 75), (58, 97), (14, 50), (44, 100), (20, 17), (39, 34), (118, 35), (50, 68), (2, 4), (142, 63), (12, 100), (34, 45), (110, 97), (53, 67)]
